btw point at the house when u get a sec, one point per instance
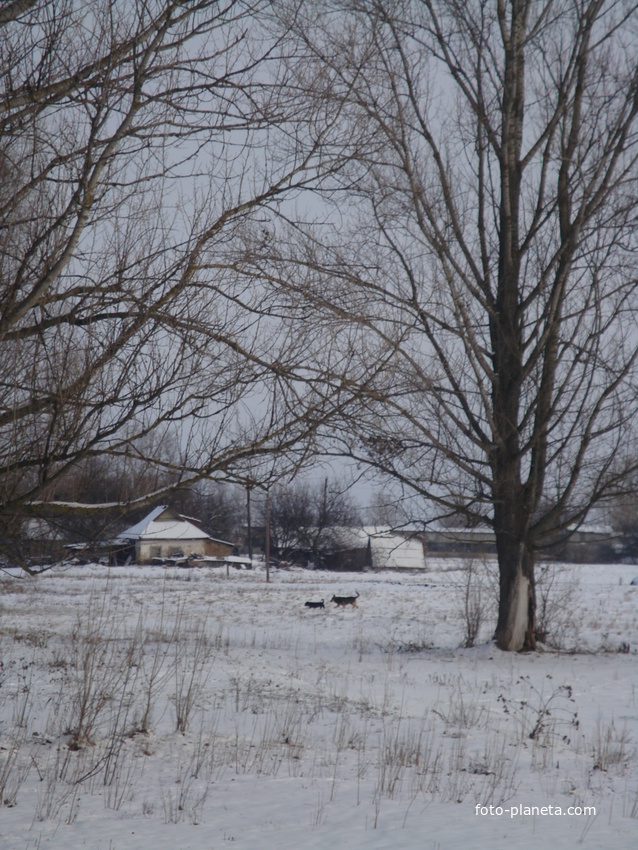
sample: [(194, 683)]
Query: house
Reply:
[(164, 534)]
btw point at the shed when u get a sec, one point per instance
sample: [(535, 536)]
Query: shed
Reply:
[(392, 550)]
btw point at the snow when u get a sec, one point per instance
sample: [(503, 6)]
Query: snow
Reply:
[(349, 728)]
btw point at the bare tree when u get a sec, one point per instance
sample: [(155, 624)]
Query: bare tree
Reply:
[(305, 519), (218, 507), (485, 255), (140, 144)]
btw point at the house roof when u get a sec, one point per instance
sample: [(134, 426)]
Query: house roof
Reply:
[(163, 524)]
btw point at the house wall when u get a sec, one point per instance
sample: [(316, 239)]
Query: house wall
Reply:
[(146, 550), (394, 552)]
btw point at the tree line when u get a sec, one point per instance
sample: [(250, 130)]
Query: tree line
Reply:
[(253, 233)]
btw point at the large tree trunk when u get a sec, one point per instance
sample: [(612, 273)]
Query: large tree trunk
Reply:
[(516, 603), (515, 630)]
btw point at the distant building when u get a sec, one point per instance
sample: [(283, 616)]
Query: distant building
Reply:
[(584, 544), (588, 544), (374, 547), (350, 550), (474, 542), (39, 542), (163, 534)]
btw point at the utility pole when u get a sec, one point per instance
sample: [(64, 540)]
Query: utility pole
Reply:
[(249, 524), (267, 535)]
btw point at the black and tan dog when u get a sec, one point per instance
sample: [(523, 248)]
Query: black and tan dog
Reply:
[(315, 604), (342, 601)]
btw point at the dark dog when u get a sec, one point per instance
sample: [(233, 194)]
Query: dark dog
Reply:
[(342, 601), (315, 604)]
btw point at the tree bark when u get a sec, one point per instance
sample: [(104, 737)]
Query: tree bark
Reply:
[(515, 629)]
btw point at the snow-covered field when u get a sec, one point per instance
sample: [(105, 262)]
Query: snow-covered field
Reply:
[(190, 710)]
